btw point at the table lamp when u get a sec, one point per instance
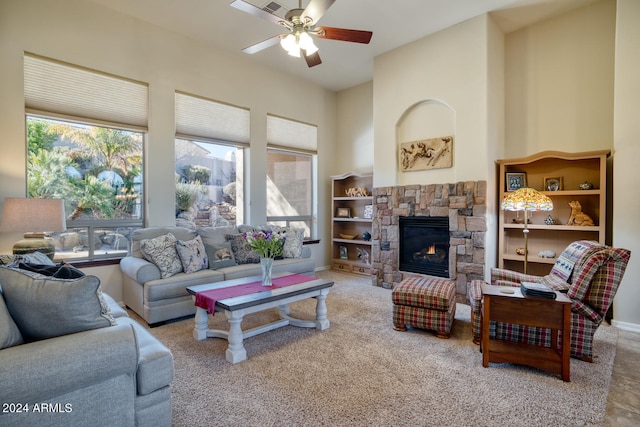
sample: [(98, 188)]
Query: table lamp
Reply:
[(528, 200), (35, 217)]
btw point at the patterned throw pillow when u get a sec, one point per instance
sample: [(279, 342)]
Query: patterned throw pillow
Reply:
[(192, 254), (162, 252), (220, 255), (242, 252), (293, 241)]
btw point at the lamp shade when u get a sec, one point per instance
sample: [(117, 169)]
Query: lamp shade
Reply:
[(32, 215), (526, 199)]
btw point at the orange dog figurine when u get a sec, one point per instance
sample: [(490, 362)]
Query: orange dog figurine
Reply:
[(577, 216)]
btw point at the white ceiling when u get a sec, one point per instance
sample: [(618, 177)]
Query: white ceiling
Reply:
[(394, 23)]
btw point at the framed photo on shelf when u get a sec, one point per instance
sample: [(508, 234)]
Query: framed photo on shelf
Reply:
[(343, 252), (553, 183), (515, 180), (368, 212), (343, 213)]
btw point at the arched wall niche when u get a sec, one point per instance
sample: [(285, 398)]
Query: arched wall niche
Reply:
[(429, 118)]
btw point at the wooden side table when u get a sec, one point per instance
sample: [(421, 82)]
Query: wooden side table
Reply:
[(529, 311)]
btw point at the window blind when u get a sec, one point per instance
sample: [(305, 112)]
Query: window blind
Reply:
[(72, 91), (201, 118), (290, 134)]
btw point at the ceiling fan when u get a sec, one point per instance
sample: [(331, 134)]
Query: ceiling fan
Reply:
[(301, 25)]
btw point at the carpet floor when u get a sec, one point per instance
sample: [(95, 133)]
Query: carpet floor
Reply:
[(360, 372)]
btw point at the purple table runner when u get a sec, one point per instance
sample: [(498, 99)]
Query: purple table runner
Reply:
[(207, 299)]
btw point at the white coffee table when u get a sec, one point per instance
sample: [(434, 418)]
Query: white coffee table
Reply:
[(235, 308)]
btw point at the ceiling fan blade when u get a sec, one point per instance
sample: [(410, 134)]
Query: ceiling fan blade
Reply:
[(262, 45), (312, 59), (255, 11), (356, 36), (315, 9)]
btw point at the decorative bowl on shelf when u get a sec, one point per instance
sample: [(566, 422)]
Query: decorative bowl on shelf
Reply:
[(348, 236)]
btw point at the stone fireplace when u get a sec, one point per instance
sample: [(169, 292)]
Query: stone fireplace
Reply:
[(461, 205)]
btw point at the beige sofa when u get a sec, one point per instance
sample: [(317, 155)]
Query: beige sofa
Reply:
[(158, 299)]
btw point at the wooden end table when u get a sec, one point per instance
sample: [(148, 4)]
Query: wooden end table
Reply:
[(529, 311)]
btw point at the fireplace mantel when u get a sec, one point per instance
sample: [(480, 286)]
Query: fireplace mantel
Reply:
[(465, 205)]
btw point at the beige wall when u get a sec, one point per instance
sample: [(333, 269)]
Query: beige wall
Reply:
[(559, 83), (626, 146), (353, 149), (82, 33)]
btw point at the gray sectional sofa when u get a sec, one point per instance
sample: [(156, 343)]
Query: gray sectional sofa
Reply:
[(157, 299), (70, 356)]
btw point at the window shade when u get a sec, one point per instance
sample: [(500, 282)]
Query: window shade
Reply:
[(68, 90), (285, 133), (198, 117)]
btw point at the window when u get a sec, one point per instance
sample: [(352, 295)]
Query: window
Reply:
[(289, 190), (88, 153), (291, 156), (98, 173), (208, 188), (210, 141)]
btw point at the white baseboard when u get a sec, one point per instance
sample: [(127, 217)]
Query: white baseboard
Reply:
[(626, 326)]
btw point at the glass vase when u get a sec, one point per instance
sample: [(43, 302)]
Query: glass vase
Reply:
[(267, 267)]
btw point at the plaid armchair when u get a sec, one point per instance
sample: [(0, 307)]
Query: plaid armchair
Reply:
[(589, 272)]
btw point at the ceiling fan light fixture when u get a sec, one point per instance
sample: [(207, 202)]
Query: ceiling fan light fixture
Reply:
[(306, 43), (294, 51), (288, 42)]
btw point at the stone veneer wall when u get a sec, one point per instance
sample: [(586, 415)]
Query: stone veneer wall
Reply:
[(465, 205)]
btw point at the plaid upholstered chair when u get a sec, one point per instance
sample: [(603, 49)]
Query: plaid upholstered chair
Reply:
[(589, 272)]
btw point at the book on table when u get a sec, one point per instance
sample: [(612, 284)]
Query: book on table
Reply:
[(538, 290)]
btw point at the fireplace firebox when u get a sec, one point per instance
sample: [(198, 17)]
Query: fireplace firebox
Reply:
[(424, 245)]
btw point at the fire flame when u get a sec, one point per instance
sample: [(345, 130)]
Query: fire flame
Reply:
[(431, 250)]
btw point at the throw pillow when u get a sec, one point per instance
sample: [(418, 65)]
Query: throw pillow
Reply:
[(44, 307), (192, 254), (294, 238), (162, 252), (9, 332), (216, 235), (242, 252), (293, 243), (220, 255)]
